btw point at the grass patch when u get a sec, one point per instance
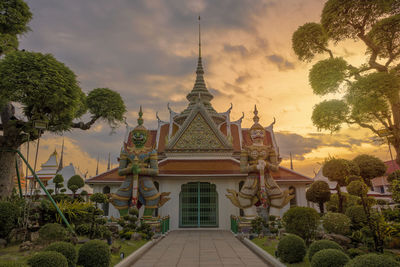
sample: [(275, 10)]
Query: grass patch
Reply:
[(270, 247), (12, 253), (127, 247)]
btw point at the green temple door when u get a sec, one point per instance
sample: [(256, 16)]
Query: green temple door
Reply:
[(198, 205)]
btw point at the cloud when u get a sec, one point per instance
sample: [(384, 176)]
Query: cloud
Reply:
[(282, 63)]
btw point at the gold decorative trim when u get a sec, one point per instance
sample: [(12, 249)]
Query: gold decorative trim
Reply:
[(152, 197)]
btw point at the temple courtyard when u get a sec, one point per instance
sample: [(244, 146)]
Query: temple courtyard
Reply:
[(199, 248)]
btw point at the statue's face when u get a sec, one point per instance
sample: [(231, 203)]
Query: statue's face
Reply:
[(139, 137), (257, 136)]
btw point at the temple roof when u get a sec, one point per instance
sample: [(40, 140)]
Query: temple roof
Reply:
[(49, 168), (196, 167)]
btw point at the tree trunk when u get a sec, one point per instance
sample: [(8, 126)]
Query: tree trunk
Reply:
[(321, 207), (7, 173), (340, 198)]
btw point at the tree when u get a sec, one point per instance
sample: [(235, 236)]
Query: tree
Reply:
[(74, 183), (320, 193), (338, 170), (370, 167), (58, 181), (47, 90), (371, 91), (97, 198)]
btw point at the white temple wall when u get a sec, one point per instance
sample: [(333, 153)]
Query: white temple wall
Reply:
[(225, 207)]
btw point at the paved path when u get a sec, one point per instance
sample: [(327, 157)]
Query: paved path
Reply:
[(191, 248)]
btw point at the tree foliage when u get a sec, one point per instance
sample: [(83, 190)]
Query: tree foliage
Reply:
[(370, 167), (370, 90), (319, 192), (14, 17)]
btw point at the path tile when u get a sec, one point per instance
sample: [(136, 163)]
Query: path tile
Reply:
[(198, 248)]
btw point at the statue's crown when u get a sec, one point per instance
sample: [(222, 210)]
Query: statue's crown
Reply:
[(140, 121), (256, 119)]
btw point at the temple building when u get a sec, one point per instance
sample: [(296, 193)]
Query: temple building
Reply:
[(198, 153)]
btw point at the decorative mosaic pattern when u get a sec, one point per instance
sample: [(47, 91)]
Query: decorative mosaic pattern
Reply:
[(198, 135)]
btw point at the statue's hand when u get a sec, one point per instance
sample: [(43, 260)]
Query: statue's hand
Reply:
[(261, 165), (135, 169)]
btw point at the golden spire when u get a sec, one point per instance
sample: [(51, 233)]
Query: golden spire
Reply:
[(199, 39)]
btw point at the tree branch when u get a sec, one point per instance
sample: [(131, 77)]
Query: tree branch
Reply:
[(327, 50), (85, 126), (372, 60), (382, 121), (364, 125)]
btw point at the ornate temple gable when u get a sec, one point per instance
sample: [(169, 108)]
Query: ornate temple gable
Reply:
[(199, 134)]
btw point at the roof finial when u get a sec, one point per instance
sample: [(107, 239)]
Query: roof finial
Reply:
[(199, 39)]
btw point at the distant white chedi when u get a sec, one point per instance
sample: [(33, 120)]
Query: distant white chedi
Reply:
[(49, 170)]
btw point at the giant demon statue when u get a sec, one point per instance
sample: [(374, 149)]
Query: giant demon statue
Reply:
[(139, 165), (257, 161)]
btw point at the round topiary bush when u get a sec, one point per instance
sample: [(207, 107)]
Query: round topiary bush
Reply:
[(48, 259), (52, 232), (320, 245), (309, 219), (357, 216), (336, 223), (354, 252), (329, 258), (291, 249), (373, 260), (67, 249), (94, 253)]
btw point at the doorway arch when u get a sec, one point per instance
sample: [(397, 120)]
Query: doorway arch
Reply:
[(198, 205)]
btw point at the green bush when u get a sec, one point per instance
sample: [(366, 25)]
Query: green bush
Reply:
[(354, 252), (83, 229), (94, 253), (336, 223), (9, 213), (52, 232), (48, 259), (309, 219), (320, 245), (373, 260), (329, 258), (67, 249), (357, 216), (291, 249)]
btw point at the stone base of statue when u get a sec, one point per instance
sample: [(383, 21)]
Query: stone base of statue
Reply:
[(157, 225), (244, 224)]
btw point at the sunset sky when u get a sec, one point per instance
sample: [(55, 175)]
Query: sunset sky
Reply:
[(147, 52)]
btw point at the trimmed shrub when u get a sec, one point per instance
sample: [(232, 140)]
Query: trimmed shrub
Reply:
[(329, 258), (357, 216), (94, 253), (48, 259), (67, 249), (309, 219), (320, 245), (52, 232), (336, 223), (8, 218), (354, 252), (373, 260), (291, 249)]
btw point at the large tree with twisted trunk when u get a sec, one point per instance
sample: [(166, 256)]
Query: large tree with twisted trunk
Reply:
[(45, 90), (371, 90)]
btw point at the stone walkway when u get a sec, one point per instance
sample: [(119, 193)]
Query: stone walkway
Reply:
[(191, 248)]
